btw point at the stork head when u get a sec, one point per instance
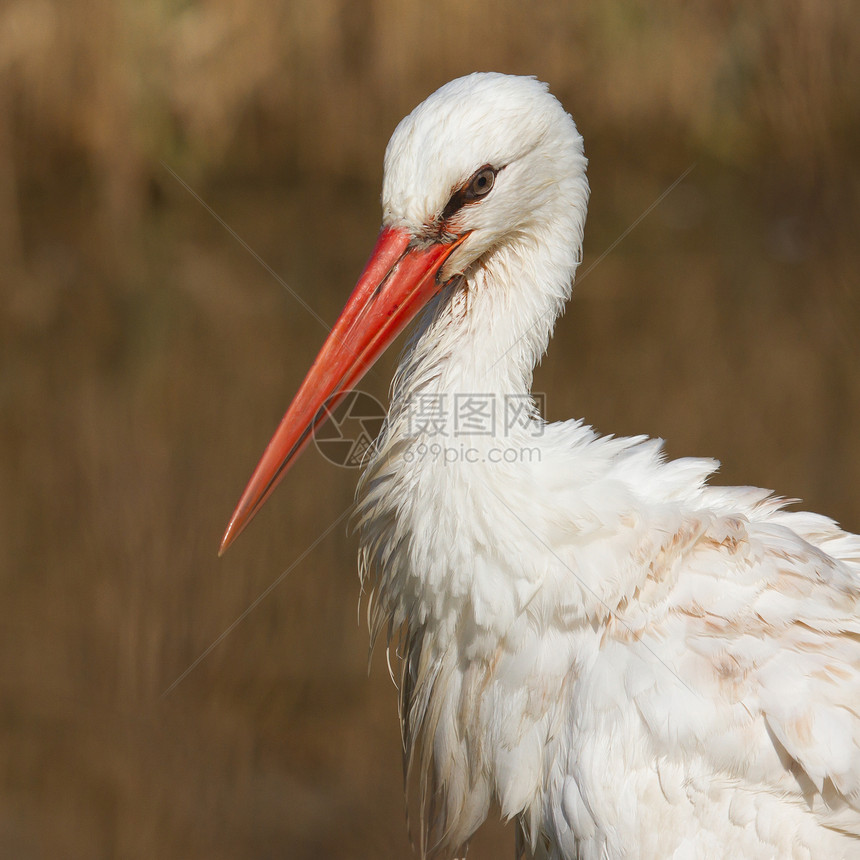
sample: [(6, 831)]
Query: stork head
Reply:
[(485, 158), (486, 161)]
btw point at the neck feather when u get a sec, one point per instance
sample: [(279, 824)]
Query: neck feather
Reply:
[(486, 332), (481, 338)]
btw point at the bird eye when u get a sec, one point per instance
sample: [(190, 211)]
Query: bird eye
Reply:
[(481, 183), (478, 186)]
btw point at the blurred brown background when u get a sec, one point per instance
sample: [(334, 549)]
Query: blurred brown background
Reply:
[(147, 356)]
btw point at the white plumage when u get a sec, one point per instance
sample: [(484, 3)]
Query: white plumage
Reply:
[(634, 664)]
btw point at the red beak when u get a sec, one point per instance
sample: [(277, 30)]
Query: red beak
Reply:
[(396, 283)]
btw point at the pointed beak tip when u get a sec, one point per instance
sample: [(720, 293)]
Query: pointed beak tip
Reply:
[(233, 530)]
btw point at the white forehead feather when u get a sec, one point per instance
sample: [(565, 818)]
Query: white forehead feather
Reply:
[(483, 118)]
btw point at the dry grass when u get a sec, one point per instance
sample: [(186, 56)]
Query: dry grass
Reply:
[(146, 357)]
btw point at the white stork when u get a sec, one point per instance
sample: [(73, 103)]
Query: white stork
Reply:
[(632, 663)]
